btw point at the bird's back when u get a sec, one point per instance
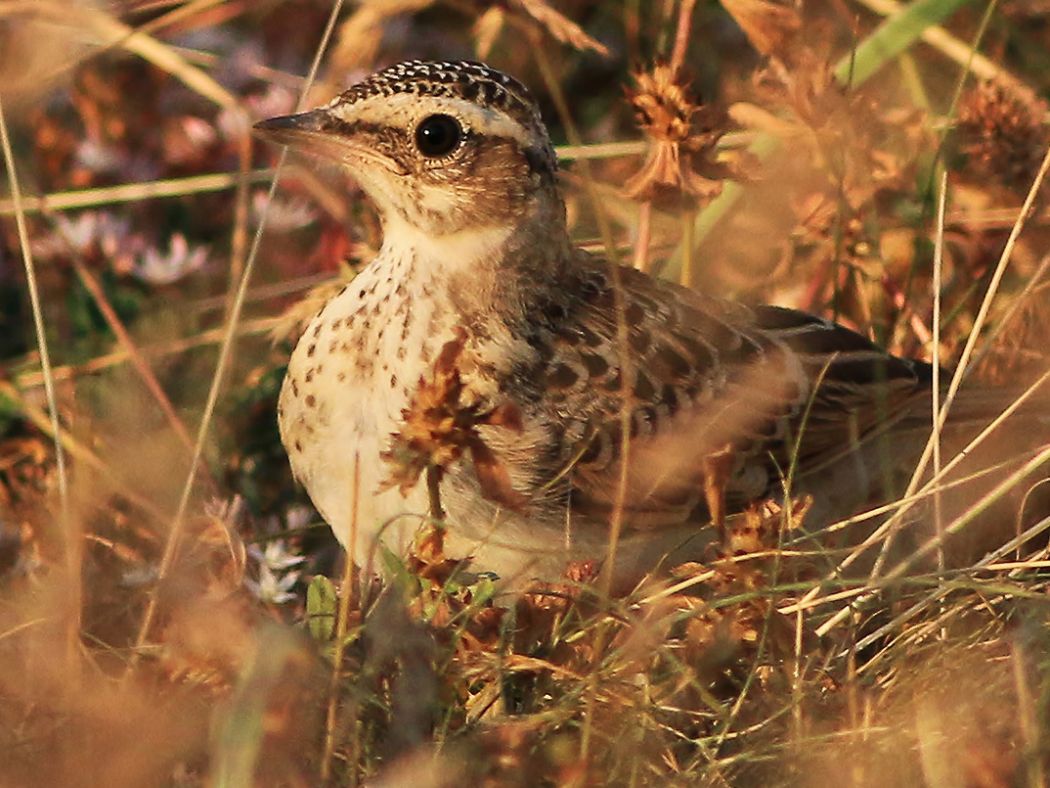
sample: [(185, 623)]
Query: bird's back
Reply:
[(764, 391)]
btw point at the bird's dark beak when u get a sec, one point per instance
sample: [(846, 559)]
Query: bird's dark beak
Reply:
[(320, 134), (293, 129)]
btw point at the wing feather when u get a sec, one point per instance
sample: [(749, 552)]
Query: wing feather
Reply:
[(704, 376)]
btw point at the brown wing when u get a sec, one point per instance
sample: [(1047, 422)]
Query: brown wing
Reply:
[(859, 389), (704, 377)]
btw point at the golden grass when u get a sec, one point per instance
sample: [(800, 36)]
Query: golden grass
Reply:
[(149, 633)]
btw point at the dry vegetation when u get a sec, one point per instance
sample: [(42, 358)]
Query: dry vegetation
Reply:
[(168, 603)]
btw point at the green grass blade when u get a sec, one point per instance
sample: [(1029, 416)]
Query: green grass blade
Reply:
[(892, 37)]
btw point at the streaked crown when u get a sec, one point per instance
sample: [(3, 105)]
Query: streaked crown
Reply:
[(463, 79)]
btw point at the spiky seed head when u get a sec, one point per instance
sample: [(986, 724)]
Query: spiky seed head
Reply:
[(1002, 132)]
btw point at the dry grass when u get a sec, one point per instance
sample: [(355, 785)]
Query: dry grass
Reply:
[(166, 612)]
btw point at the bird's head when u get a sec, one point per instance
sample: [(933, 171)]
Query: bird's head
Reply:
[(442, 147)]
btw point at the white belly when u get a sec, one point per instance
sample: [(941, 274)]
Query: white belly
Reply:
[(348, 380)]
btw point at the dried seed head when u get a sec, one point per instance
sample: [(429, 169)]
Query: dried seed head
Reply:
[(680, 167), (1002, 132), (662, 105), (857, 144), (439, 427)]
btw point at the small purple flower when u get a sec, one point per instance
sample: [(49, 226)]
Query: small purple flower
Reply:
[(275, 581), (181, 260), (284, 214)]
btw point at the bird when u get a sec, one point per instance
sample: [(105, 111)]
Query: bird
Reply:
[(635, 399)]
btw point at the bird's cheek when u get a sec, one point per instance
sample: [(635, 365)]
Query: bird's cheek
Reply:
[(503, 201), (384, 188), (439, 199)]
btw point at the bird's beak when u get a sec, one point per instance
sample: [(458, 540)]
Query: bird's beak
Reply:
[(293, 130), (320, 134)]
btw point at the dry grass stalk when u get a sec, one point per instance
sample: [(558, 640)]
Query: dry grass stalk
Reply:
[(349, 602), (132, 192), (114, 32), (360, 35), (560, 27), (225, 350), (138, 361), (701, 678)]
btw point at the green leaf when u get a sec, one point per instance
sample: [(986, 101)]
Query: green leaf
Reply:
[(240, 727), (892, 37), (10, 411), (322, 604), (482, 591), (397, 572)]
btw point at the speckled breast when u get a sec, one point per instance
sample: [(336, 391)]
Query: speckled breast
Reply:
[(348, 380)]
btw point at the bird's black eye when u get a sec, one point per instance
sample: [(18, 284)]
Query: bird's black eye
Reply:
[(438, 135)]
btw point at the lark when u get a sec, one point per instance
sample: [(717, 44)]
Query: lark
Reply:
[(640, 402)]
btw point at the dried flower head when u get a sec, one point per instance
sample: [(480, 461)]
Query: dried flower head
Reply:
[(663, 106), (771, 28), (439, 427), (427, 559), (861, 146), (681, 166), (1002, 132), (751, 556)]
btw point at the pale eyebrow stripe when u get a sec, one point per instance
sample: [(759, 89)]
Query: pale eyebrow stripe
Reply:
[(406, 109)]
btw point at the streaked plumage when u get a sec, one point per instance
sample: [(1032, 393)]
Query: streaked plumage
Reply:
[(476, 239)]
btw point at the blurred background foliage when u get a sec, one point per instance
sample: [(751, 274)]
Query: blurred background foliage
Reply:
[(763, 151)]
